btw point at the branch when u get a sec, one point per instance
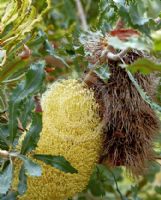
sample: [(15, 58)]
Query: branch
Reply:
[(82, 15), (7, 155), (4, 154), (118, 56)]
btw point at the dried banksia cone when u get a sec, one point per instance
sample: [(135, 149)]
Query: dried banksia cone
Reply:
[(71, 128), (94, 82), (130, 123)]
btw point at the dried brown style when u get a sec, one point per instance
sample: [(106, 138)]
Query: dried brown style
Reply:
[(130, 124)]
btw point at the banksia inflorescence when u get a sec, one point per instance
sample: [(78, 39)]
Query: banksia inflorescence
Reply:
[(71, 128), (130, 124)]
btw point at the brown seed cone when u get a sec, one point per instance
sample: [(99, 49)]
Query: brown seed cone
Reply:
[(130, 125), (99, 87)]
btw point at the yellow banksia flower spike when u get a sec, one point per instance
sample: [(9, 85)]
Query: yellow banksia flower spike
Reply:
[(71, 128)]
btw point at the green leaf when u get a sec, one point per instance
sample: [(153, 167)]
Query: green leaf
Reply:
[(136, 17), (2, 7), (32, 136), (4, 144), (10, 13), (103, 72), (58, 162), (10, 196), (158, 189), (153, 8), (50, 49), (157, 40), (133, 43), (11, 67), (28, 108), (23, 17), (96, 188), (34, 79), (6, 179), (143, 94), (145, 66), (154, 168), (157, 45), (22, 185), (135, 191), (103, 180), (13, 112), (30, 86), (31, 168), (107, 14)]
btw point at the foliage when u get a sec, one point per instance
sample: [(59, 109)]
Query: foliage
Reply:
[(39, 43)]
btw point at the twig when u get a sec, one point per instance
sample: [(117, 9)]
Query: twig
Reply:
[(118, 56), (82, 15), (14, 79), (117, 188)]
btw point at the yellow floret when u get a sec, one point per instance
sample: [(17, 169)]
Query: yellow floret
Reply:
[(71, 128)]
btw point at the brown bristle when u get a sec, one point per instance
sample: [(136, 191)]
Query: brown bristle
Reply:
[(94, 82), (130, 123)]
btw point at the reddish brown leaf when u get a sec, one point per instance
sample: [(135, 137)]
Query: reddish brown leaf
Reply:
[(124, 34)]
